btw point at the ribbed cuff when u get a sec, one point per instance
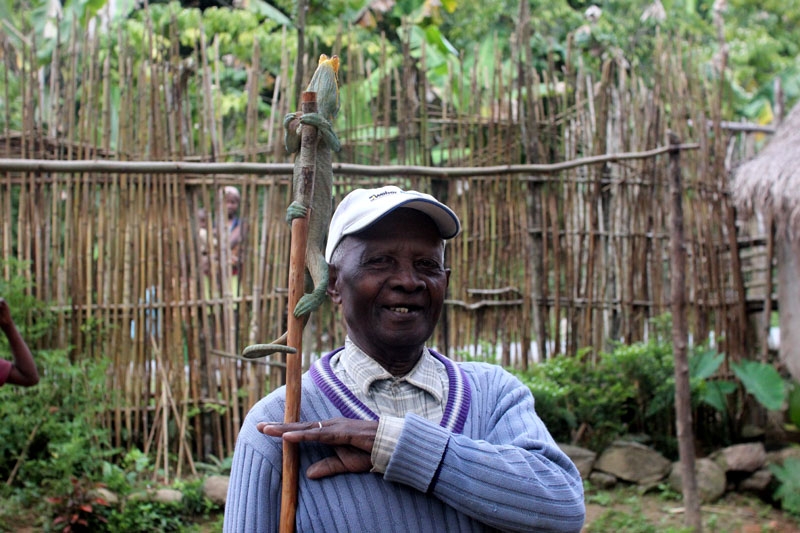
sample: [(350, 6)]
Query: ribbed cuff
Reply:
[(418, 453)]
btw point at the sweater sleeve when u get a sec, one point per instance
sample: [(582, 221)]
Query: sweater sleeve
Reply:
[(253, 500), (505, 471)]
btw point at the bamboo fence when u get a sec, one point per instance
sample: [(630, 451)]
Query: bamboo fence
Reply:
[(552, 259)]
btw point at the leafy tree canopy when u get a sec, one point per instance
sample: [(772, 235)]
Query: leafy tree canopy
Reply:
[(761, 38)]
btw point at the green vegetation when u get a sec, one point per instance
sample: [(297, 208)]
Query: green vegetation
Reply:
[(55, 453), (630, 391), (788, 493), (761, 41)]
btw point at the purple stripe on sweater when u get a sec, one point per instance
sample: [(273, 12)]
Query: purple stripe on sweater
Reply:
[(458, 398), (336, 391)]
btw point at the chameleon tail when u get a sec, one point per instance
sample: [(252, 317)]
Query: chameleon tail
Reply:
[(257, 351)]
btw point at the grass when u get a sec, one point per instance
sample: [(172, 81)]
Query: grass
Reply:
[(627, 509)]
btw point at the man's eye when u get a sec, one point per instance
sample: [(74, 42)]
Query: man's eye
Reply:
[(429, 264), (377, 261)]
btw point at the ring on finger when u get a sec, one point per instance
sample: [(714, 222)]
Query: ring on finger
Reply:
[(320, 424)]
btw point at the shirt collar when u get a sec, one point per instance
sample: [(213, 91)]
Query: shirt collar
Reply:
[(426, 375)]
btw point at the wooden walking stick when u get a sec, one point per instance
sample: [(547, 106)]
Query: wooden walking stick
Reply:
[(309, 133), (297, 267)]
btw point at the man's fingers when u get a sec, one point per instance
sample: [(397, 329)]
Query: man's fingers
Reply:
[(335, 432), (343, 462), (329, 466)]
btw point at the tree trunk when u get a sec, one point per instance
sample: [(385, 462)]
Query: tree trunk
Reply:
[(683, 400)]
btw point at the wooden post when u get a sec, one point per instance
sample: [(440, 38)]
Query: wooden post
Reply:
[(769, 289), (683, 399), (297, 266)]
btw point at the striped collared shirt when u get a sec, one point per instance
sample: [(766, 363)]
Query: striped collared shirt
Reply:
[(423, 391)]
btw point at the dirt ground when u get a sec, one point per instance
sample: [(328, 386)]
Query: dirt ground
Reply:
[(624, 510)]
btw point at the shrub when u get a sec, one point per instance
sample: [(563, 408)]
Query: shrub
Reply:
[(51, 433), (80, 509), (627, 391), (146, 516)]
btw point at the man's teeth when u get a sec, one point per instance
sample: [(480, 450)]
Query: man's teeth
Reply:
[(399, 309)]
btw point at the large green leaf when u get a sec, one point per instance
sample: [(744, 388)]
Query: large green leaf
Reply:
[(272, 13), (704, 362), (762, 381), (715, 393), (6, 9), (788, 492), (794, 405)]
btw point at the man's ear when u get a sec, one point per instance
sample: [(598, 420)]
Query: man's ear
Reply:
[(333, 292)]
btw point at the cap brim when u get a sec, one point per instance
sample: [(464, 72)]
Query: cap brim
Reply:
[(387, 200), (445, 220)]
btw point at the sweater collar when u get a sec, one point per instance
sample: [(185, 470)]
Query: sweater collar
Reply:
[(455, 409)]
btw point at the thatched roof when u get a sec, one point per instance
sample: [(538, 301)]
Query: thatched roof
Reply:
[(770, 182)]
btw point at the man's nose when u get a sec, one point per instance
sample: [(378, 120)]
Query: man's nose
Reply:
[(407, 278)]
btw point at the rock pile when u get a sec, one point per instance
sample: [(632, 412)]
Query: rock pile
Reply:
[(739, 468)]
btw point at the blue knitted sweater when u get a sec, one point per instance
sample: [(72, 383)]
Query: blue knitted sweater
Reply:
[(497, 469)]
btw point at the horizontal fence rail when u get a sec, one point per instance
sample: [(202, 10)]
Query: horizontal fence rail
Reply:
[(113, 205)]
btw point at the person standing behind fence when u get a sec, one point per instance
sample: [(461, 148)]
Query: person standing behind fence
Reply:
[(22, 371), (202, 241), (233, 199)]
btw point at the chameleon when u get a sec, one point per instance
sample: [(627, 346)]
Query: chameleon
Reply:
[(325, 84)]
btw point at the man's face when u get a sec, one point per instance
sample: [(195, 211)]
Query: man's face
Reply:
[(390, 281)]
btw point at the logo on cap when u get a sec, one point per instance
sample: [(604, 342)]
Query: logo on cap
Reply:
[(384, 193)]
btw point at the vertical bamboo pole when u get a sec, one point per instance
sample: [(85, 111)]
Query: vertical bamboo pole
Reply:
[(297, 264)]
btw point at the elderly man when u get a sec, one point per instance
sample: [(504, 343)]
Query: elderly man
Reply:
[(394, 436)]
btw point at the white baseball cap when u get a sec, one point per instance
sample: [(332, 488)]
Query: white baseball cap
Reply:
[(363, 207)]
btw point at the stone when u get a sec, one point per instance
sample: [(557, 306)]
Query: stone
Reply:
[(757, 483), (104, 494), (167, 496), (711, 480), (583, 458), (215, 488), (158, 495), (633, 462), (741, 457), (601, 480), (779, 456)]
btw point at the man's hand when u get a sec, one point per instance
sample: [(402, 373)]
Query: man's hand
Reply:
[(352, 441)]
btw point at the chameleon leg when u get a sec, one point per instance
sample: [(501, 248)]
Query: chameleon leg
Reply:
[(290, 137), (295, 210), (319, 274), (324, 128)]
